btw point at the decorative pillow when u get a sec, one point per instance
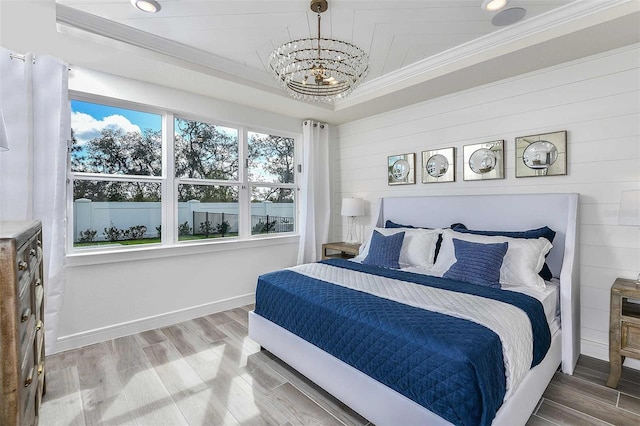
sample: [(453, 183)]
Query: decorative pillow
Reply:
[(418, 247), (390, 225), (520, 266), (477, 263), (544, 232), (384, 251)]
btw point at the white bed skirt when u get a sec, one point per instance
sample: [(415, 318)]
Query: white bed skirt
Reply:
[(378, 403)]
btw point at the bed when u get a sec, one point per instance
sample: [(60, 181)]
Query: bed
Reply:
[(384, 401)]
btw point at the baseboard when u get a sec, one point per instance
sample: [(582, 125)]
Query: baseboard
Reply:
[(90, 337), (601, 351)]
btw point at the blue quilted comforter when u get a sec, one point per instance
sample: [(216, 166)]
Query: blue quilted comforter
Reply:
[(451, 366)]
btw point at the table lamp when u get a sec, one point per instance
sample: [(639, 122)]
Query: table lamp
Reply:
[(352, 207)]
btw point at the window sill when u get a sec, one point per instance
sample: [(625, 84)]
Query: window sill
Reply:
[(160, 251)]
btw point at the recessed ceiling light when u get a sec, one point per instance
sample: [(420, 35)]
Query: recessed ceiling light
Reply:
[(493, 5), (150, 6)]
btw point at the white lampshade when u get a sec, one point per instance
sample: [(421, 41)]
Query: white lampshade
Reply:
[(4, 142), (629, 208), (352, 207)]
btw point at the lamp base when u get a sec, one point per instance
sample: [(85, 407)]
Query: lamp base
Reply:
[(352, 238)]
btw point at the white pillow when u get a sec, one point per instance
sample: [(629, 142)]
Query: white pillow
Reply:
[(520, 266), (418, 246)]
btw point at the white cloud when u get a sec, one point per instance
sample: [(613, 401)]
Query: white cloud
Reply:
[(86, 127)]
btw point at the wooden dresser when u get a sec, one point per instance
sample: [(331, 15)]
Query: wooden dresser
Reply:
[(21, 322)]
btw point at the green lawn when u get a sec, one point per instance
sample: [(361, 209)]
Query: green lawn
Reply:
[(148, 240)]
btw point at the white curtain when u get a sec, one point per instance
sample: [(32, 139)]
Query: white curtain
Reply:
[(315, 197), (35, 102)]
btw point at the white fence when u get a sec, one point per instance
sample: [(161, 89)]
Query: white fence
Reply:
[(100, 215)]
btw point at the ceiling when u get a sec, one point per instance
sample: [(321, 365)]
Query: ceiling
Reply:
[(415, 47)]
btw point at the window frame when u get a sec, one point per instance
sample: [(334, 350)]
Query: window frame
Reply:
[(169, 184)]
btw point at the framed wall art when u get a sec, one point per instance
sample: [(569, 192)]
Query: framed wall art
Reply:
[(541, 155), (402, 169), (484, 161), (439, 165)]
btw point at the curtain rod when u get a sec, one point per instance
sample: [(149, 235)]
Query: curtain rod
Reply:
[(23, 57)]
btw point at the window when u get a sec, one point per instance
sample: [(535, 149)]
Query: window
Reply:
[(116, 169), (271, 173), (218, 181)]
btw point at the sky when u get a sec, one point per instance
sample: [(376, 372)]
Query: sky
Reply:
[(88, 120)]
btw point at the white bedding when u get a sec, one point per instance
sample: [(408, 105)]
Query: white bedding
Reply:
[(549, 297)]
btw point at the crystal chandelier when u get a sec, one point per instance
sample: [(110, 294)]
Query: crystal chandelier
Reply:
[(319, 69)]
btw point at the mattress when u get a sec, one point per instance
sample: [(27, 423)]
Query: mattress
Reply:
[(452, 366)]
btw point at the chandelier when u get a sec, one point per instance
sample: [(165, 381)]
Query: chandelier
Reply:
[(319, 69)]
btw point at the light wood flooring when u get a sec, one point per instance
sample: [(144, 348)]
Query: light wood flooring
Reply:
[(208, 372)]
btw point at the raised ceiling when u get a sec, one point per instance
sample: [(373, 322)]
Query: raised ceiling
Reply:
[(410, 43)]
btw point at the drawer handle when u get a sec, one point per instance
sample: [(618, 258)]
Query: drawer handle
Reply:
[(38, 282), (29, 378), (25, 315), (32, 252), (39, 325), (22, 265), (40, 368)]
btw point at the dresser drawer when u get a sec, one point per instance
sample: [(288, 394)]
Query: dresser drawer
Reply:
[(24, 262), (630, 337), (33, 252), (26, 319), (39, 345), (28, 386), (39, 296)]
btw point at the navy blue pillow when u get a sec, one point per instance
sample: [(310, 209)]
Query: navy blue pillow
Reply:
[(544, 232), (477, 263), (390, 224), (384, 251)]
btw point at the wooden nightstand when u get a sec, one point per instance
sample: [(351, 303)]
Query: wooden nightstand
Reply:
[(345, 250), (624, 327)]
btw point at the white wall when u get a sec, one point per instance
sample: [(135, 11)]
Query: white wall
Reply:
[(596, 99)]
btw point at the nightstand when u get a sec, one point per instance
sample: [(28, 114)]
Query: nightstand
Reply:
[(624, 327), (345, 250)]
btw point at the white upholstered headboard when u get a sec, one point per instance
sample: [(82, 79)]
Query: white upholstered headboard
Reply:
[(510, 212)]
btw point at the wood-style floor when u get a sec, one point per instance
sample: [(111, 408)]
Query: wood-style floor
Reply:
[(207, 371)]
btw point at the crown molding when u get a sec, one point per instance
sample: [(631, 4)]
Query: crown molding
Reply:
[(566, 19), (214, 64)]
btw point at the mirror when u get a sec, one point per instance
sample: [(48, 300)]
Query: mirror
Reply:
[(401, 169), (541, 155), (484, 161), (439, 165)]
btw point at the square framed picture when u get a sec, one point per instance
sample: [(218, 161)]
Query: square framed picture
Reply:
[(439, 165), (484, 161), (402, 169), (541, 155)]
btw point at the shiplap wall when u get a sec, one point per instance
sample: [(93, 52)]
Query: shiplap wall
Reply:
[(596, 99)]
